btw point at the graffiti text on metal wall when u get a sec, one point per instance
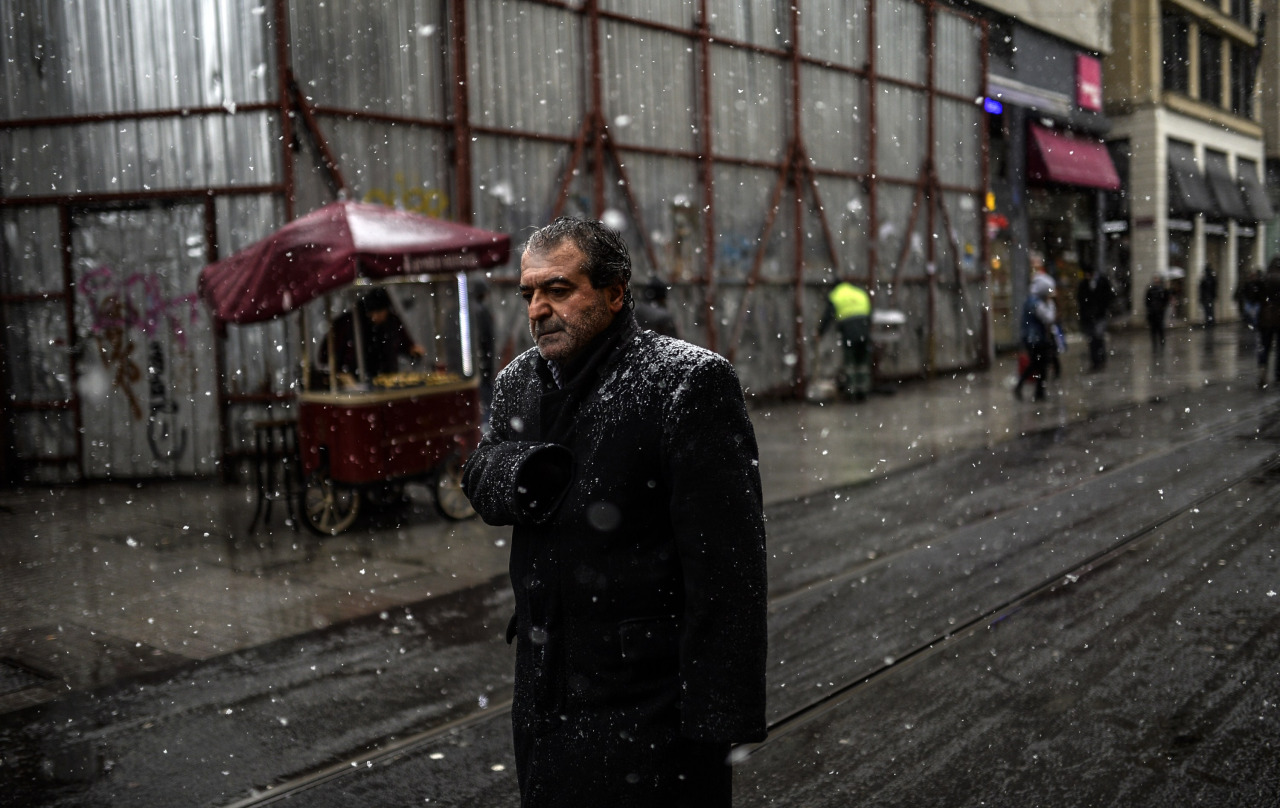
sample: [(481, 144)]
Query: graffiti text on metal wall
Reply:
[(119, 307), (736, 253), (428, 201), (165, 442)]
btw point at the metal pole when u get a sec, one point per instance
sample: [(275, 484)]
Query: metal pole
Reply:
[(984, 253), (461, 113), (73, 339), (799, 158), (304, 350), (331, 162), (286, 112), (707, 169), (219, 346), (357, 322), (1015, 123), (872, 181), (932, 191), (771, 215), (596, 114), (331, 343)]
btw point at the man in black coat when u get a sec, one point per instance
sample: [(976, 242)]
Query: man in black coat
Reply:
[(1093, 300), (627, 464), (651, 309), (1157, 303), (383, 339), (1209, 295), (1268, 319)]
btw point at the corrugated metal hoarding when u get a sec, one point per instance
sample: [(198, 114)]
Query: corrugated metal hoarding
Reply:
[(731, 142)]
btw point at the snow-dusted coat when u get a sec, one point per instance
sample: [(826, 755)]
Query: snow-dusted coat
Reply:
[(637, 561)]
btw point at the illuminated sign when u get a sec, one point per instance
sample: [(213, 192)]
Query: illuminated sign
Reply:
[(1089, 82)]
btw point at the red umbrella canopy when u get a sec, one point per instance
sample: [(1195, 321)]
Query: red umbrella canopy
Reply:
[(334, 246)]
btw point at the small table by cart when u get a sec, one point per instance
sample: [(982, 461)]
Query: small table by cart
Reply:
[(276, 473)]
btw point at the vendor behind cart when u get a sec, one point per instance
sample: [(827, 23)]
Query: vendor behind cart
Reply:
[(383, 339)]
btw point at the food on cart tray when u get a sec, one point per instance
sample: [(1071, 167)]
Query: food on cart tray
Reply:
[(414, 378)]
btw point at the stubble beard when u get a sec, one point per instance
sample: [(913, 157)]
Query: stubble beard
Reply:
[(574, 335)]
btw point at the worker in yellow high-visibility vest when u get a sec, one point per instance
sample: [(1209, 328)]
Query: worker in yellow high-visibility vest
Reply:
[(849, 307)]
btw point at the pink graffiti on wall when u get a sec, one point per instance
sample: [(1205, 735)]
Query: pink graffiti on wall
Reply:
[(120, 306), (141, 304)]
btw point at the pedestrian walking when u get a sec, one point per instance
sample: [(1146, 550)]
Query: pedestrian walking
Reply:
[(1251, 294), (627, 465), (377, 348), (651, 309), (1269, 320), (1157, 306), (849, 308), (1094, 295), (1039, 314), (1208, 295)]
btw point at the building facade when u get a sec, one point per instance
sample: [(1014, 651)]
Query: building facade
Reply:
[(1269, 112), (1051, 175), (1183, 97)]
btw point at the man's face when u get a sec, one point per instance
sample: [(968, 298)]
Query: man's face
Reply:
[(565, 312)]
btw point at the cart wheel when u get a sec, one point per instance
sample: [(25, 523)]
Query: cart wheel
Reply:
[(330, 507), (451, 502)]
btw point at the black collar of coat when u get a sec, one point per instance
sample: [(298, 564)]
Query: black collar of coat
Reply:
[(594, 357), (558, 409)]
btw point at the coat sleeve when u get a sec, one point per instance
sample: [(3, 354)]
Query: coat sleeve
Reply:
[(1047, 312), (717, 515), (511, 481)]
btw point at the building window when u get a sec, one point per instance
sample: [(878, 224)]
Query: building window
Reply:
[(1210, 68), (1175, 40), (997, 162), (1000, 39), (1240, 12), (1242, 75)]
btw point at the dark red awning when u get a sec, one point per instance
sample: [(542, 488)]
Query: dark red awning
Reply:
[(1070, 159), (334, 246)]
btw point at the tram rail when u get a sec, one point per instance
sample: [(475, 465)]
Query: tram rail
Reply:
[(794, 720)]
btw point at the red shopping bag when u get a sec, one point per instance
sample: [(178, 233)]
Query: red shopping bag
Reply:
[(1024, 360)]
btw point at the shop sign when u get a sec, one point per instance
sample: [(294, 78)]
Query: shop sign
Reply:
[(1089, 82)]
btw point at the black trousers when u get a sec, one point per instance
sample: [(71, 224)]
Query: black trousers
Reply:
[(1040, 355), (1156, 324), (707, 776), (1096, 331), (1266, 338)]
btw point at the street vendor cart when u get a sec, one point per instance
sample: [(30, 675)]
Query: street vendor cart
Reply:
[(364, 427)]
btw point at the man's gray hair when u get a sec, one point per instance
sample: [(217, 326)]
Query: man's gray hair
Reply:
[(607, 259)]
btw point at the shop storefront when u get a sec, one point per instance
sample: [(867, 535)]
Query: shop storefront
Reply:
[(1190, 197), (1260, 211), (1115, 235), (1066, 172), (1050, 170), (1212, 226)]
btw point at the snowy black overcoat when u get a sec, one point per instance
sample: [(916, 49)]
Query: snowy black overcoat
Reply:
[(637, 561)]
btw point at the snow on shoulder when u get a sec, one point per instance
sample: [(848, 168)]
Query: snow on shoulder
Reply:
[(664, 367)]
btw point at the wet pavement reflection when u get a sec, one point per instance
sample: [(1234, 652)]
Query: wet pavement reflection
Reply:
[(112, 580), (122, 593)]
